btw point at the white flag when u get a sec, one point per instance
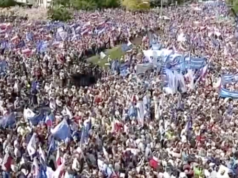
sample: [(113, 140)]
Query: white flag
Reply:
[(102, 55)]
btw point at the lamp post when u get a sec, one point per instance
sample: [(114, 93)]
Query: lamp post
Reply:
[(161, 7)]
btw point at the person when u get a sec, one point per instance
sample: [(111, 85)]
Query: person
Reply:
[(125, 124)]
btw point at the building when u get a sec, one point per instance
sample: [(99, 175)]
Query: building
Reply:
[(42, 3)]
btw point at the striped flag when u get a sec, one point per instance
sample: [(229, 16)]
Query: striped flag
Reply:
[(31, 147), (35, 167), (42, 155), (6, 163), (217, 84), (85, 131), (15, 38), (60, 170), (154, 162), (52, 146), (49, 119), (58, 160)]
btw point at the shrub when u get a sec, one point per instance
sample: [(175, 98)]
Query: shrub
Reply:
[(83, 4), (7, 3), (59, 13), (136, 4)]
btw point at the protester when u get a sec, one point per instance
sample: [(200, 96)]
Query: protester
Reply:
[(137, 118)]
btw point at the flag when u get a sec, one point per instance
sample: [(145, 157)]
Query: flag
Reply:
[(217, 84), (8, 120), (15, 38), (37, 119), (86, 25), (145, 38), (3, 45), (29, 36), (67, 112), (42, 155), (102, 55), (87, 125), (6, 162), (3, 31), (58, 44), (58, 159), (190, 77), (34, 86), (35, 167), (3, 67), (31, 147), (172, 85), (230, 109), (82, 137), (224, 93), (60, 163), (43, 171), (49, 119), (132, 112), (49, 172), (61, 131), (61, 34), (5, 25), (189, 124), (85, 31), (154, 162), (52, 146), (105, 153), (20, 44), (42, 46), (126, 47), (204, 71), (28, 113), (101, 25), (140, 112), (116, 126), (27, 52)]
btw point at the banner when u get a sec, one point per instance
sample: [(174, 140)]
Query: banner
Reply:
[(225, 93), (142, 68)]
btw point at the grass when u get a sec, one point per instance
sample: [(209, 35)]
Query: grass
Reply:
[(114, 53)]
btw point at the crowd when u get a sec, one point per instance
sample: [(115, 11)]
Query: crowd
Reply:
[(53, 126)]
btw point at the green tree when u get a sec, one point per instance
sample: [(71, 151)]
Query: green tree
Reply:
[(136, 4), (7, 3), (84, 4), (87, 4), (108, 3), (59, 13), (234, 5), (60, 2)]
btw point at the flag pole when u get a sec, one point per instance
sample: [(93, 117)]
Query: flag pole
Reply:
[(161, 6)]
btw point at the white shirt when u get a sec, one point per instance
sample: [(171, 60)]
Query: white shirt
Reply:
[(76, 164), (182, 175)]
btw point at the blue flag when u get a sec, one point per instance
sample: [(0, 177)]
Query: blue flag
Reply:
[(62, 131), (37, 119), (8, 120)]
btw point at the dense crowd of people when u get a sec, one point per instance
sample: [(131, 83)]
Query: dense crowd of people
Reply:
[(56, 125)]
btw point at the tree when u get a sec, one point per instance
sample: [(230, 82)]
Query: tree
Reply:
[(7, 3), (108, 3), (83, 4), (87, 4), (59, 13), (60, 2), (136, 4), (234, 5)]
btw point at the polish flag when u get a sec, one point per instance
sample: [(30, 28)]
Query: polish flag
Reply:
[(154, 162), (15, 38)]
